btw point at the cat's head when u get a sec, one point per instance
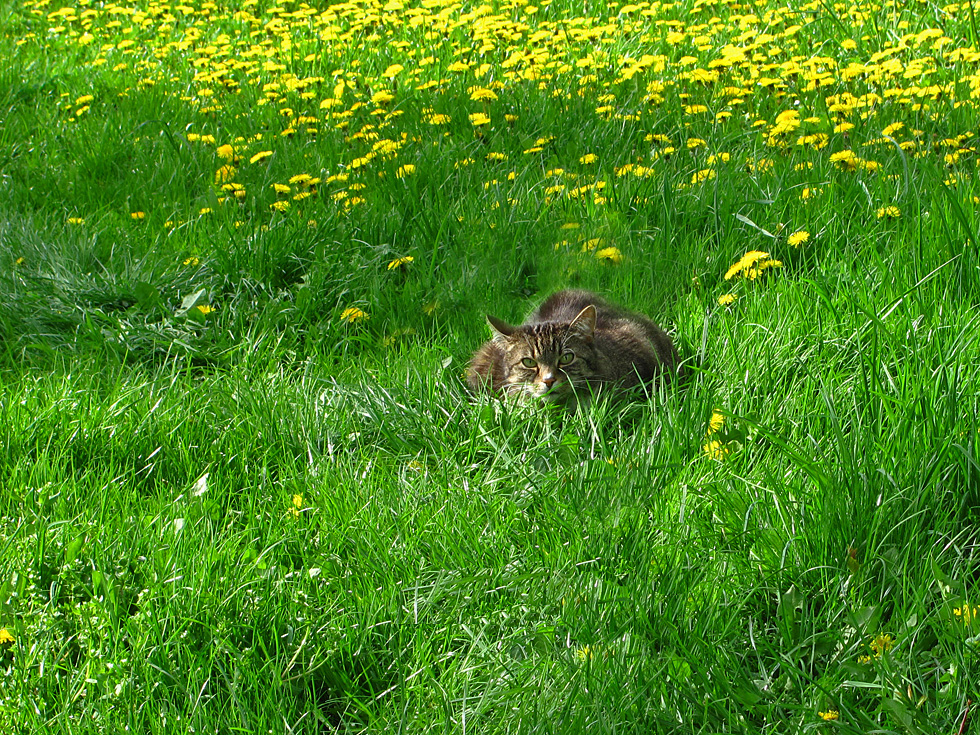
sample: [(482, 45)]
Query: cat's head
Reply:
[(549, 360)]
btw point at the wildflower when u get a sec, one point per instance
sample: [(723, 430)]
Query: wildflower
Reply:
[(881, 643), (352, 314), (76, 220), (693, 143), (204, 309), (438, 119), (752, 265), (587, 159), (5, 637), (891, 212), (584, 653), (382, 97), (279, 206), (611, 255), (478, 118), (716, 421), (226, 152), (727, 299), (829, 714), (715, 449), (846, 160), (966, 613), (85, 99), (225, 173), (260, 156), (138, 215), (19, 261), (392, 71), (192, 261), (281, 188), (400, 262), (480, 94), (407, 170), (798, 238), (703, 175)]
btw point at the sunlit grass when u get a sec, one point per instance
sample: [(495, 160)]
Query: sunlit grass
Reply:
[(247, 248)]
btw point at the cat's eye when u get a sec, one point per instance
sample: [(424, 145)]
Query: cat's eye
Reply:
[(566, 358), (528, 362)]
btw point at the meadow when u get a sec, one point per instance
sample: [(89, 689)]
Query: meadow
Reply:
[(247, 248)]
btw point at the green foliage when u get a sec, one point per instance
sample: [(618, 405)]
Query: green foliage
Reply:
[(242, 487)]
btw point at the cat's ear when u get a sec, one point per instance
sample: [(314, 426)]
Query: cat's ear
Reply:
[(584, 323), (501, 328)]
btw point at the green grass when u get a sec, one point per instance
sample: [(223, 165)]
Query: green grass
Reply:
[(261, 517)]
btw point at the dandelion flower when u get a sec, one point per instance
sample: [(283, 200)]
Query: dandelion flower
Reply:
[(478, 118), (192, 261), (352, 315), (138, 215), (226, 152), (76, 220), (845, 160), (392, 71), (889, 212), (798, 238), (5, 637), (204, 309), (716, 421), (260, 156), (715, 449), (727, 299), (829, 714), (407, 170), (400, 262), (610, 255), (746, 262), (480, 94), (881, 643)]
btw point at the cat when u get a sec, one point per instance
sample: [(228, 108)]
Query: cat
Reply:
[(572, 345)]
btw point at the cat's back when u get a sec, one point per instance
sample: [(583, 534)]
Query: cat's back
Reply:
[(564, 306)]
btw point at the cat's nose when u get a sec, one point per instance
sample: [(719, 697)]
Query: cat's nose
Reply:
[(548, 380)]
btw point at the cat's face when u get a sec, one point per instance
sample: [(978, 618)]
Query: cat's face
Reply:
[(548, 361)]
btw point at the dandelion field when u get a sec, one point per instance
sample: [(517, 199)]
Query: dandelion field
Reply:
[(247, 248)]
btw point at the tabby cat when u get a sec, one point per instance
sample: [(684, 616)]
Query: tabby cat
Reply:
[(574, 343)]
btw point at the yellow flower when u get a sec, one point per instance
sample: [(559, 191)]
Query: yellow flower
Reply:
[(204, 309), (587, 159), (478, 118), (226, 152), (76, 220), (891, 212), (392, 71), (966, 613), (706, 174), (829, 714), (727, 299), (352, 314), (138, 215), (400, 262), (584, 653), (85, 99), (225, 173), (612, 255), (716, 421), (382, 97), (5, 637), (260, 156), (714, 449), (192, 261), (407, 170), (881, 643), (798, 238), (752, 265), (279, 206), (846, 160), (480, 94)]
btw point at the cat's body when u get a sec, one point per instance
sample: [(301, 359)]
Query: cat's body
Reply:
[(572, 345)]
